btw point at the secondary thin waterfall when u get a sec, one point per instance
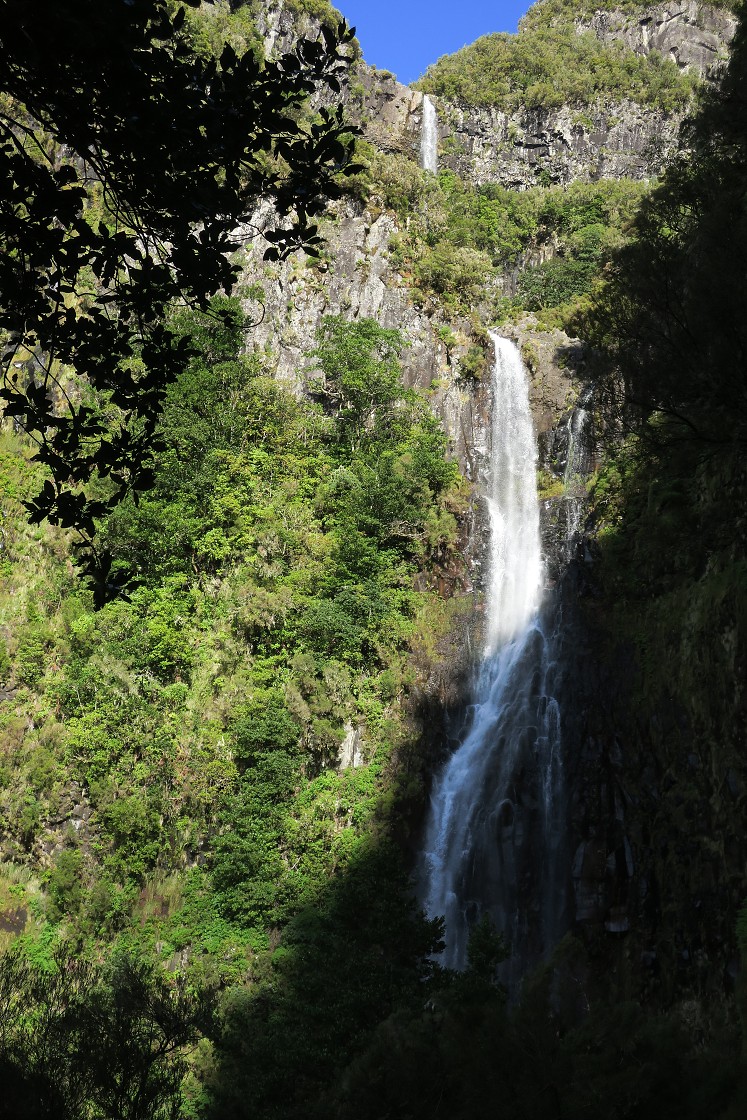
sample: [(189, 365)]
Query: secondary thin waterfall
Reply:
[(577, 467), (429, 137), (495, 822)]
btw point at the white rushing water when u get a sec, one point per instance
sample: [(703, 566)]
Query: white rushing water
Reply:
[(429, 137), (494, 824)]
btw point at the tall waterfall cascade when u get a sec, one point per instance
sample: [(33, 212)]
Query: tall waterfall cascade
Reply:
[(429, 137), (493, 836)]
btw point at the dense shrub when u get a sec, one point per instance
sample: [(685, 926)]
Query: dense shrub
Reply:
[(554, 282)]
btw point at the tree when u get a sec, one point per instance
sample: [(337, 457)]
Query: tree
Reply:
[(361, 374), (79, 1040), (129, 160)]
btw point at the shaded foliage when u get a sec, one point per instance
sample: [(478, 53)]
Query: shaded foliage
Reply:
[(342, 967), (82, 1041), (672, 317)]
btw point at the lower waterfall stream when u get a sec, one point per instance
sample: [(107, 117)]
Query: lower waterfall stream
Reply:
[(493, 836)]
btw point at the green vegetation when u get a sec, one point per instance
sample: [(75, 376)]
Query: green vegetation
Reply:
[(209, 28), (235, 22), (183, 759), (585, 223), (275, 554), (550, 63), (81, 1041), (458, 242), (319, 9), (546, 67)]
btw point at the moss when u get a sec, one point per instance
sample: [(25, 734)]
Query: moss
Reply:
[(549, 485), (529, 356)]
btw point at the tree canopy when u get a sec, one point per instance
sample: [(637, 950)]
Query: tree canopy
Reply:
[(129, 161)]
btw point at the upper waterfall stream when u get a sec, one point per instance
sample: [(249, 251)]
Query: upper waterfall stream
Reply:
[(429, 137), (494, 826)]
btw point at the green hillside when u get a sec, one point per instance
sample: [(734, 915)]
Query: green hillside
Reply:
[(549, 64)]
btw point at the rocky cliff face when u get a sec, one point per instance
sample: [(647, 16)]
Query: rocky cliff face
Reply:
[(355, 279), (695, 36), (527, 148), (615, 139), (660, 789), (387, 112), (534, 147)]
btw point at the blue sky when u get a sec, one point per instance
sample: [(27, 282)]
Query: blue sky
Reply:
[(404, 36)]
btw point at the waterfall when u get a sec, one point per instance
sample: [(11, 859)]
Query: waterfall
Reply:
[(429, 137), (494, 831), (577, 467)]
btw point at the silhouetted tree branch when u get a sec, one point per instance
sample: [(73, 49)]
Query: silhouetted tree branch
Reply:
[(129, 161)]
